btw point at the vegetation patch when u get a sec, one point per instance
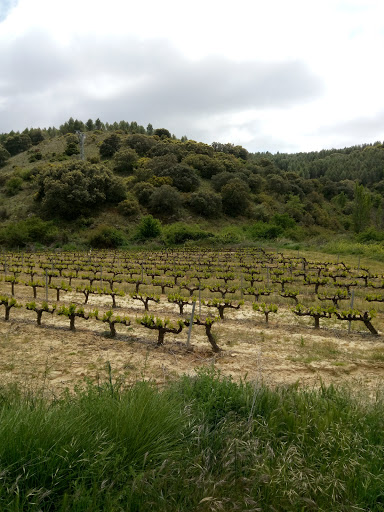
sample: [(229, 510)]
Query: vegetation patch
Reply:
[(238, 445)]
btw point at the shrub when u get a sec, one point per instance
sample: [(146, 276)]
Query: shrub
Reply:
[(256, 183), (35, 156), (158, 181), (23, 173), (206, 204), (4, 155), (13, 185), (72, 145), (142, 172), (17, 143), (148, 228), (230, 236), (109, 146), (94, 159), (183, 177), (283, 220), (4, 214), (106, 237), (77, 188), (166, 147), (261, 212), (143, 191), (125, 160), (160, 165), (235, 197), (265, 230), (179, 233), (370, 235), (31, 230), (219, 180), (165, 199), (140, 143), (72, 148), (163, 133), (129, 207), (15, 235), (230, 162), (204, 164)]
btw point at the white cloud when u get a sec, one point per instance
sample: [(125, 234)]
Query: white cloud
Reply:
[(270, 75)]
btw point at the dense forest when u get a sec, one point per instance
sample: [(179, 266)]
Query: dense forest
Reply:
[(107, 185)]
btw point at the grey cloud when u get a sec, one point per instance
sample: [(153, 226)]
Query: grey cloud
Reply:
[(213, 85), (366, 127), (43, 84)]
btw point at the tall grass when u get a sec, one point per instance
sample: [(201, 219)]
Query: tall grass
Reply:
[(203, 443), (372, 250), (79, 452)]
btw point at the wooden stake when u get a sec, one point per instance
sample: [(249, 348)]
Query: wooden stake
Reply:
[(190, 326)]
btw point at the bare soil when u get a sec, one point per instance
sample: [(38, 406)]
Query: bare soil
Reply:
[(287, 350)]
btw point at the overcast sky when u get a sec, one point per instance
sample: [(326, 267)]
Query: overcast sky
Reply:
[(271, 75)]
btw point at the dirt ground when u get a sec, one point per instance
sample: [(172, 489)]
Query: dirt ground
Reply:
[(287, 350)]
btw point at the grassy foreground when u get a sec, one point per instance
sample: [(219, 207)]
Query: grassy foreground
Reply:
[(202, 444)]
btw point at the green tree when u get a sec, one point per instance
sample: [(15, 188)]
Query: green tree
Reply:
[(74, 189), (206, 204), (4, 155), (68, 126), (256, 183), (72, 147), (219, 180), (235, 197), (277, 184), (17, 143), (230, 162), (125, 160), (129, 207), (294, 208), (231, 149), (163, 133), (90, 125), (165, 200), (204, 164), (109, 146), (160, 165), (78, 126), (99, 125), (166, 147), (184, 177), (361, 208), (143, 191), (142, 144), (36, 136)]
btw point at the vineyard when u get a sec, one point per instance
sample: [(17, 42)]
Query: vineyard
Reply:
[(251, 311)]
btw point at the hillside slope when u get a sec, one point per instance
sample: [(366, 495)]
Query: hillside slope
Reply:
[(135, 184)]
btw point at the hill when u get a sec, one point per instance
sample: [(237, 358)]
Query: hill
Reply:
[(127, 184)]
